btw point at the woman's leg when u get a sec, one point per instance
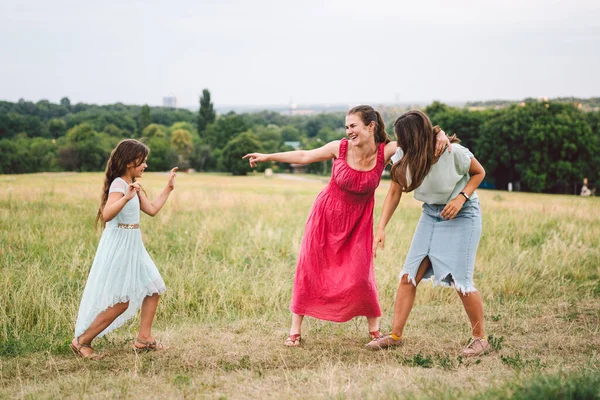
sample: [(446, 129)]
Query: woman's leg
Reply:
[(100, 323), (293, 339), (373, 324), (405, 298), (149, 306), (474, 308), (296, 328)]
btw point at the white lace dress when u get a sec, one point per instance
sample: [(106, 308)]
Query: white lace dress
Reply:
[(122, 269)]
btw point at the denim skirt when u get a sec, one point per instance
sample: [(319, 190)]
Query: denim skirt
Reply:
[(451, 246)]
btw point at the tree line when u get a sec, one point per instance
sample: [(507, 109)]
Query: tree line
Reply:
[(539, 145)]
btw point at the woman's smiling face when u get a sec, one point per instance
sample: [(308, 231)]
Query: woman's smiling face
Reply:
[(356, 130)]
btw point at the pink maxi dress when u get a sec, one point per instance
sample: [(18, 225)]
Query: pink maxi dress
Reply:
[(335, 277)]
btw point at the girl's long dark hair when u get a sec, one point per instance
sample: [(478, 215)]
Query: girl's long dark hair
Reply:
[(416, 137), (368, 114), (127, 151)]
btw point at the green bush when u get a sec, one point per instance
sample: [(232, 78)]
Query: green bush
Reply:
[(245, 142)]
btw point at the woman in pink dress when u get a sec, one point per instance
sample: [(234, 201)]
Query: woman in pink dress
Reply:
[(335, 277)]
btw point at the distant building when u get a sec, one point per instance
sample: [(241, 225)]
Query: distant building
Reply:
[(170, 101)]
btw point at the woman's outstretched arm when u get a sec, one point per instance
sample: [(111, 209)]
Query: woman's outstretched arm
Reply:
[(327, 152)]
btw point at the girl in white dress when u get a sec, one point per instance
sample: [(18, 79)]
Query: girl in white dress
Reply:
[(123, 277)]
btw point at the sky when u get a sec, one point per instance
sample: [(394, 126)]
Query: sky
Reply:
[(263, 52)]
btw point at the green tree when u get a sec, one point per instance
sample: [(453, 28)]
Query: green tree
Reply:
[(181, 140), (225, 128), (155, 130), (206, 114), (290, 133), (66, 103), (26, 155), (10, 160), (43, 154), (81, 133), (182, 125), (327, 134), (168, 116), (465, 123), (269, 137), (202, 158), (57, 127), (333, 121), (235, 149), (162, 156), (435, 108), (546, 147), (321, 168), (145, 118), (114, 131), (84, 149)]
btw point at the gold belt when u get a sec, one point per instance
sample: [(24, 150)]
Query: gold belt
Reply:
[(129, 226)]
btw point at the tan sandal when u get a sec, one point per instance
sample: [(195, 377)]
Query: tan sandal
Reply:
[(148, 346), (476, 347), (293, 340), (384, 342), (77, 350)]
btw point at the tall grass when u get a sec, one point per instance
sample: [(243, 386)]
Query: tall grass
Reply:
[(227, 248)]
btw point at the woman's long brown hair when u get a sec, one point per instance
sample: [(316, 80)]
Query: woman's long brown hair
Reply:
[(127, 151), (367, 115), (416, 137)]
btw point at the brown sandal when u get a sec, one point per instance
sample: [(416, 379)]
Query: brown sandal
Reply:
[(293, 340), (148, 346), (77, 350)]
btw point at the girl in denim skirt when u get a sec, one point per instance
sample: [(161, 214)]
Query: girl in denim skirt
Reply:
[(447, 235)]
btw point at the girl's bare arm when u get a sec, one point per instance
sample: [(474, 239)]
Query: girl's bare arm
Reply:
[(153, 207)]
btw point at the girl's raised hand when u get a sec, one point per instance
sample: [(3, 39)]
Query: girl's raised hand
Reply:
[(255, 158), (132, 189), (172, 175)]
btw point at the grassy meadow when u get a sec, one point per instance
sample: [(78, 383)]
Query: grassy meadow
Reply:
[(226, 247)]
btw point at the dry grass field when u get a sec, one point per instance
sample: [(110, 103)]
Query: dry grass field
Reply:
[(226, 247)]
